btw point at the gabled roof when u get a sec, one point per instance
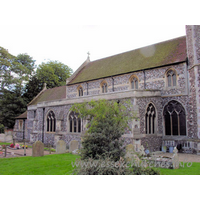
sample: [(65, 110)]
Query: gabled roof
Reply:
[(22, 116), (157, 55), (50, 95)]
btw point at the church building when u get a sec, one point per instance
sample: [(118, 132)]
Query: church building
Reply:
[(162, 81)]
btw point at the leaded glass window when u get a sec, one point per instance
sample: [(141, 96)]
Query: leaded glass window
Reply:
[(74, 123), (175, 119), (104, 88), (80, 92), (134, 83), (51, 122), (150, 119), (171, 78)]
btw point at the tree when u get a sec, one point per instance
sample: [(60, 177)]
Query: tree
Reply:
[(15, 71), (26, 61), (53, 73), (32, 88), (107, 122)]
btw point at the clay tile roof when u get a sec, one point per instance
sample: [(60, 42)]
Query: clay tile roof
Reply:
[(22, 116), (157, 55), (50, 95)]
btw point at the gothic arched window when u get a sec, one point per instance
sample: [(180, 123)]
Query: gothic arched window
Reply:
[(175, 119), (150, 119), (134, 83), (74, 123), (104, 88), (171, 78), (80, 91), (51, 122)]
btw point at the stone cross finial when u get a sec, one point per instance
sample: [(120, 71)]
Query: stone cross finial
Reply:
[(88, 53), (44, 86)]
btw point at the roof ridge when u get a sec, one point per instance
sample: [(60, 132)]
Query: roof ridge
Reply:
[(56, 87), (137, 49)]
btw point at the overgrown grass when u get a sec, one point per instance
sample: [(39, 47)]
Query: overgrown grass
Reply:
[(57, 164)]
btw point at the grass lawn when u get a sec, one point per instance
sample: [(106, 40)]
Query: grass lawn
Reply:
[(60, 164), (4, 143), (57, 164), (193, 170)]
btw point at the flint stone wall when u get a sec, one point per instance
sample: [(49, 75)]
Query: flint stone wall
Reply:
[(154, 79)]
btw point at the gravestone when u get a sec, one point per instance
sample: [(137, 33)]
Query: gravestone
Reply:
[(141, 151), (130, 153), (73, 145), (38, 149), (61, 146), (130, 147), (175, 160)]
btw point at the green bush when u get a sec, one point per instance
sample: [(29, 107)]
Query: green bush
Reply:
[(107, 121), (1, 128), (106, 166), (102, 166)]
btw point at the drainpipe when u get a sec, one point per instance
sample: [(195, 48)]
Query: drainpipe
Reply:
[(23, 129), (144, 79), (24, 137), (43, 127), (112, 84), (87, 88)]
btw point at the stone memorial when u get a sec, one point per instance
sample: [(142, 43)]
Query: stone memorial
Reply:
[(73, 145), (130, 147), (38, 149), (61, 147), (141, 151), (175, 160)]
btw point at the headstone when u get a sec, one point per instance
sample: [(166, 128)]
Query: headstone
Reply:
[(73, 145), (198, 149), (164, 149), (61, 146), (129, 152), (38, 149), (175, 160), (141, 151), (130, 147)]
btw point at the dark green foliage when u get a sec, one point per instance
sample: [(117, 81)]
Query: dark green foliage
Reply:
[(15, 72), (32, 89), (107, 122), (26, 61), (53, 73), (12, 106), (106, 166), (102, 166), (1, 128), (144, 171)]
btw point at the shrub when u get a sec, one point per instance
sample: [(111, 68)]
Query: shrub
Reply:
[(102, 166), (106, 166), (1, 128), (107, 121)]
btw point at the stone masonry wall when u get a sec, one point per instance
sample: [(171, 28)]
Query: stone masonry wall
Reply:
[(155, 79)]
